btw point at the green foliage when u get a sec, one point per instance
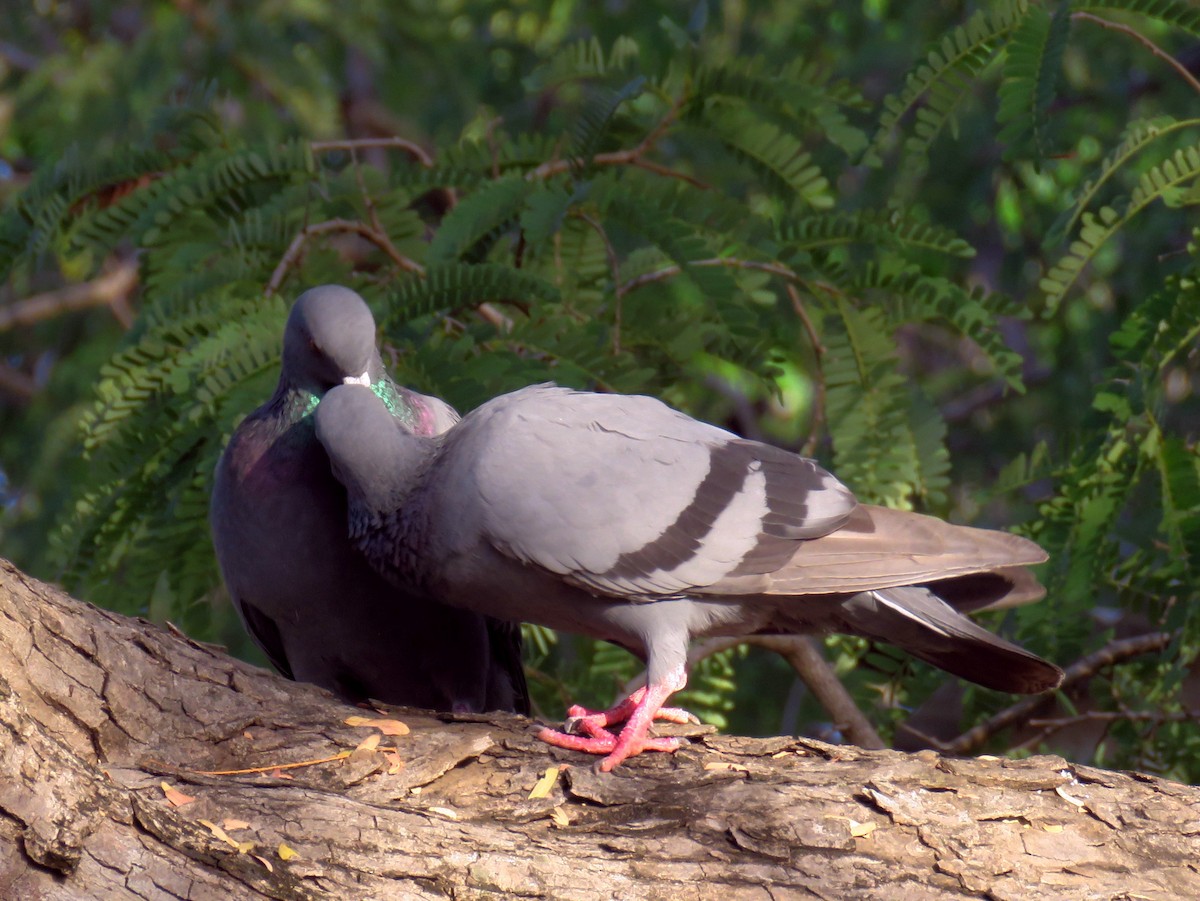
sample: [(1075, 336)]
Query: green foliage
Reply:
[(1033, 59), (978, 312)]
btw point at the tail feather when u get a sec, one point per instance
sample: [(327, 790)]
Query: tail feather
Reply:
[(922, 624)]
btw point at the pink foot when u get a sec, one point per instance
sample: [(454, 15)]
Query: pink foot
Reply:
[(637, 711)]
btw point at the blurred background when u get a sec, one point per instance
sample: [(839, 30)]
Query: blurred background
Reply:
[(946, 248)]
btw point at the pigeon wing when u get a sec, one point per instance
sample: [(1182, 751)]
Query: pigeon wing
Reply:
[(881, 548), (624, 496)]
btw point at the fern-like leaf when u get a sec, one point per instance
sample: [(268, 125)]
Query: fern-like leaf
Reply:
[(1031, 69), (1163, 181), (941, 79)]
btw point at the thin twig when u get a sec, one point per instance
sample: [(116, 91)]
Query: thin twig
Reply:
[(1109, 655), (660, 275), (378, 238), (1115, 716), (104, 290), (631, 157), (412, 149), (1145, 42), (802, 653)]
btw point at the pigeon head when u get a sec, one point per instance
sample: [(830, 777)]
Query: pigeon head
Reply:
[(329, 340), (366, 446)]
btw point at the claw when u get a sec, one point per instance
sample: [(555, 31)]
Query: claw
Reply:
[(587, 730)]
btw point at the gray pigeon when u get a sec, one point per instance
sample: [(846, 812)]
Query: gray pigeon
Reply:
[(620, 518), (305, 594)]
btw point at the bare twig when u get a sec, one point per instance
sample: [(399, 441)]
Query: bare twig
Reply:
[(104, 290), (631, 157), (1115, 716), (811, 666), (414, 150), (659, 275), (1109, 655), (378, 238), (1145, 42), (492, 314)]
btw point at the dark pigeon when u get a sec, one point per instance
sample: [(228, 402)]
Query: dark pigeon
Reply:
[(306, 595), (620, 518)]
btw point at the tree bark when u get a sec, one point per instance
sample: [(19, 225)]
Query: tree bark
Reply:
[(112, 728)]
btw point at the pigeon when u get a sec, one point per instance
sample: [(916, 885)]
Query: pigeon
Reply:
[(305, 594), (618, 517)]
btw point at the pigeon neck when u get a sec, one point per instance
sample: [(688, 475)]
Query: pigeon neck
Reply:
[(384, 480), (290, 403)]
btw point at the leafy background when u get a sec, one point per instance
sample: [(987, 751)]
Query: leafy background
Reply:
[(947, 249)]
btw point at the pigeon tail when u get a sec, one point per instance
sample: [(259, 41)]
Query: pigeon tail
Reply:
[(919, 622)]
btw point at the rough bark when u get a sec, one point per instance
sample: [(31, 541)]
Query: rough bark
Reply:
[(99, 712)]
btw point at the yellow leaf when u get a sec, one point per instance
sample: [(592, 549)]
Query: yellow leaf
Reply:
[(175, 796), (543, 786), (229, 824), (370, 743), (1052, 827), (285, 852), (725, 765), (861, 830), (387, 727), (245, 847), (266, 863), (221, 835), (395, 764), (559, 816)]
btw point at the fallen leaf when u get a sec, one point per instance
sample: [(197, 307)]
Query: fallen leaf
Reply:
[(370, 743), (175, 796), (229, 823), (247, 735), (285, 852), (726, 765), (1070, 799), (559, 816), (277, 773), (862, 830), (1052, 827), (395, 764), (543, 786), (220, 834), (387, 727), (266, 863), (444, 811)]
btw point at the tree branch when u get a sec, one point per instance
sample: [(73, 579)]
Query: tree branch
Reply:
[(108, 289), (802, 653), (413, 149), (291, 256), (1084, 668), (112, 731)]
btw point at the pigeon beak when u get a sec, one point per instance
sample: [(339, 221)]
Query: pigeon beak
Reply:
[(364, 379)]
